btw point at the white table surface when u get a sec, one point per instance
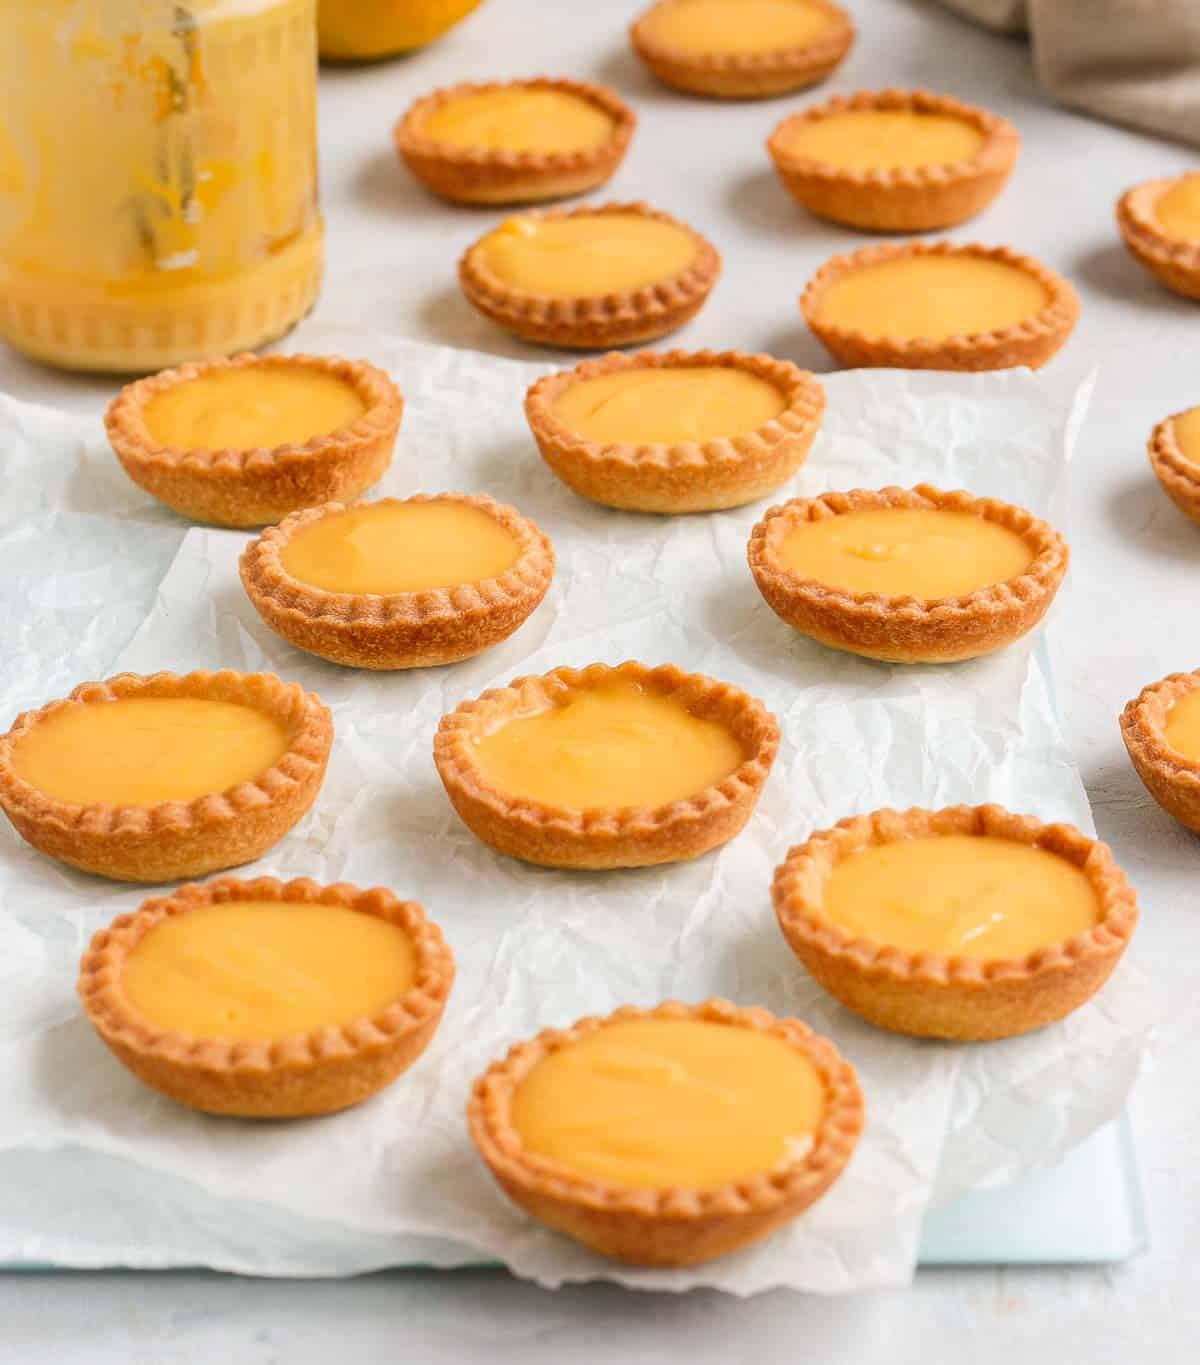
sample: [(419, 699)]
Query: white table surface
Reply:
[(1127, 617)]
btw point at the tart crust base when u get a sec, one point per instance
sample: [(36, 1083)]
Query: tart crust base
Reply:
[(928, 995), (909, 629), (306, 1074), (399, 630), (686, 476), (899, 199), (177, 838), (670, 1227), (1173, 263), (1169, 776), (635, 836), (246, 488), (1180, 477)]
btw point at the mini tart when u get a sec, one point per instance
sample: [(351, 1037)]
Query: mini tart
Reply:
[(756, 71), (499, 174), (931, 995), (1178, 474), (1029, 340), (908, 629), (1170, 775), (685, 475), (554, 834), (411, 629), (1173, 259), (166, 840), (595, 317), (258, 484), (671, 1224), (976, 152), (289, 1074)]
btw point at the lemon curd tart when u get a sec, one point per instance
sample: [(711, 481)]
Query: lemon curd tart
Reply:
[(590, 277), (148, 779), (742, 49), (515, 141), (966, 923), (907, 575), (246, 441), (1159, 222), (607, 767), (1161, 729), (264, 999), (1174, 451), (895, 160), (671, 1136), (399, 583), (937, 306), (676, 431)]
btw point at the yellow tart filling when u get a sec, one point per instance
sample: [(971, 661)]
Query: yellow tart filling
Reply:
[(593, 253), (520, 120), (932, 296), (883, 139), (1178, 210), (612, 743), (664, 1103), (251, 407), (960, 895), (267, 969), (667, 405), (394, 547), (141, 751), (904, 552), (1187, 434), (737, 25), (1183, 725)]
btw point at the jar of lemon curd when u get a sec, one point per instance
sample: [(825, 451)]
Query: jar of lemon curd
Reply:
[(158, 177)]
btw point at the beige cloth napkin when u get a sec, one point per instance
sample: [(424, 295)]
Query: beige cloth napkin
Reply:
[(1133, 61)]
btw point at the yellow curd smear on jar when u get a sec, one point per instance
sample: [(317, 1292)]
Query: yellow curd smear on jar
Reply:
[(158, 179)]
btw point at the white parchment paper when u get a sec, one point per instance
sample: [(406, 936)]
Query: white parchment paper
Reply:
[(397, 1180)]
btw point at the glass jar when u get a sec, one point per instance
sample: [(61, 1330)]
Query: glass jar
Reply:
[(158, 178)]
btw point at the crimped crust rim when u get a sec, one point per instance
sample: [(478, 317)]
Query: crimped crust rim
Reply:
[(1142, 728), (828, 46), (805, 406), (834, 1140), (801, 922), (412, 141), (308, 749), (266, 579), (1041, 577), (117, 1021), (661, 299), (1140, 229), (1177, 474), (1056, 316), (998, 151), (723, 702), (125, 420)]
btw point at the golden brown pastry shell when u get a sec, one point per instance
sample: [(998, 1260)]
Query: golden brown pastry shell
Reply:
[(304, 1074), (909, 629), (675, 1226), (899, 199), (595, 322), (745, 75), (177, 838), (1032, 342), (1179, 476), (1172, 262), (490, 175), (419, 629), (246, 488), (687, 476), (1169, 776), (929, 995), (634, 836)]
